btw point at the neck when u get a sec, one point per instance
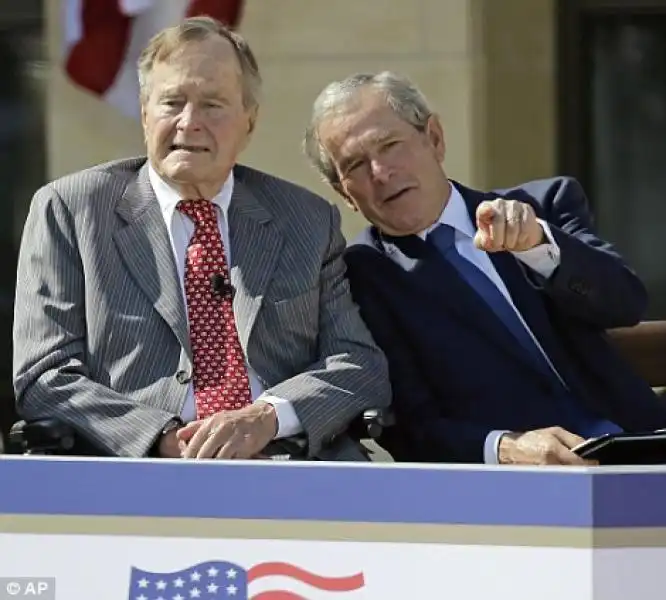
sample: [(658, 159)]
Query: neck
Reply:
[(206, 190), (446, 195), (448, 190), (425, 225)]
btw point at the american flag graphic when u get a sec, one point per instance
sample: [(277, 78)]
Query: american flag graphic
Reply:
[(221, 580)]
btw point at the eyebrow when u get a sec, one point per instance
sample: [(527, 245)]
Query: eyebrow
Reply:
[(178, 93), (378, 138), (382, 137)]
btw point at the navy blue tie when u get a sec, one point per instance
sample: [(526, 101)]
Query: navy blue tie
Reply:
[(443, 238)]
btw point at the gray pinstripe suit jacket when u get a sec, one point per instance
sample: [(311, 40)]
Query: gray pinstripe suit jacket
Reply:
[(100, 331)]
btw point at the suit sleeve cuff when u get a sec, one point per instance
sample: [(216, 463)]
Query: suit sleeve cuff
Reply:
[(544, 258), (288, 422), (491, 447)]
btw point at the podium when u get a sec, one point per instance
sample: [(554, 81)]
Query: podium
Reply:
[(175, 530)]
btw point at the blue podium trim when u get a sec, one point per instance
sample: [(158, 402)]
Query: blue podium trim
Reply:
[(630, 500), (485, 496), (295, 492)]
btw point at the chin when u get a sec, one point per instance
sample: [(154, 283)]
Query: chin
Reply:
[(183, 172), (409, 227)]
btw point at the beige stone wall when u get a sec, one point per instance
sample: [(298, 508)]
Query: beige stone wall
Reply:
[(487, 73), (517, 116)]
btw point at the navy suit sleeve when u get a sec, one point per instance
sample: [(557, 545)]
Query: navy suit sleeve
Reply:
[(421, 433), (592, 283)]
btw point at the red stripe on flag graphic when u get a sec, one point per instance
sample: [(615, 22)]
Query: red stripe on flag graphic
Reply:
[(281, 569)]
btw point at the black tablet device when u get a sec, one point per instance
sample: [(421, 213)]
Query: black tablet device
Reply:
[(647, 448)]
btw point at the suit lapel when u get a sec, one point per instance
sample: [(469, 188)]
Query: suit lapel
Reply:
[(523, 294), (530, 305), (255, 247), (474, 310), (146, 251)]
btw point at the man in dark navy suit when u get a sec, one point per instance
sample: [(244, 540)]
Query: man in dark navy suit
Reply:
[(491, 307)]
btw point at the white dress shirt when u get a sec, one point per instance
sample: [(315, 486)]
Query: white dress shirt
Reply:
[(181, 229), (542, 259)]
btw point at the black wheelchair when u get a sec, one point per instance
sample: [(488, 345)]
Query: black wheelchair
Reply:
[(53, 437)]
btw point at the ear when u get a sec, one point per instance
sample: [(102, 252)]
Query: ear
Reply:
[(435, 135), (351, 204), (252, 120), (347, 199), (144, 118), (250, 127)]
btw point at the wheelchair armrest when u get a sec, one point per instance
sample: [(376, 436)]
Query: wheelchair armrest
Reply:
[(290, 448), (375, 420), (368, 426), (42, 436), (51, 436)]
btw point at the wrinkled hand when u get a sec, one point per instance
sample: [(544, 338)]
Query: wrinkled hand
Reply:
[(507, 225), (240, 434), (551, 446)]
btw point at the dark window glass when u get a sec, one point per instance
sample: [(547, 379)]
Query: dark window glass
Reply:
[(625, 62)]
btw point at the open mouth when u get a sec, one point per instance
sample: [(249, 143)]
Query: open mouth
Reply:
[(187, 148)]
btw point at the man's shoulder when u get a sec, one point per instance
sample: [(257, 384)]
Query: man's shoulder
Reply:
[(85, 182), (274, 190), (362, 255), (361, 241), (540, 189)]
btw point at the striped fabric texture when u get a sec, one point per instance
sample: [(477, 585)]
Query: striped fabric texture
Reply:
[(100, 334)]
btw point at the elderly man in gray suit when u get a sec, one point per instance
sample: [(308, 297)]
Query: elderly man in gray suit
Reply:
[(183, 305)]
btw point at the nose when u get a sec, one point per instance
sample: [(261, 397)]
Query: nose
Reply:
[(381, 172), (189, 118)]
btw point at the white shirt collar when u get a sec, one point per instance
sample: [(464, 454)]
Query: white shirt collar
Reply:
[(168, 197), (454, 214)]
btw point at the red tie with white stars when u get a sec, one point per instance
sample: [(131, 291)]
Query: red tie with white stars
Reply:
[(220, 376)]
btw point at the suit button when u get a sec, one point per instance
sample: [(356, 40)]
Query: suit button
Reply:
[(183, 377)]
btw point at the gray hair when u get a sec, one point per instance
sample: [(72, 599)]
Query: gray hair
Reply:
[(197, 29), (401, 95)]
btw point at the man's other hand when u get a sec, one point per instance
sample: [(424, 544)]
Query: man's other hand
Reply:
[(551, 446), (240, 434)]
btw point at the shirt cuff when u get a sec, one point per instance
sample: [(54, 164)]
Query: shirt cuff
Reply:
[(491, 447), (288, 422), (544, 258)]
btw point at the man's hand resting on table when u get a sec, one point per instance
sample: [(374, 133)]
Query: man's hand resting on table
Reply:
[(551, 446), (240, 434)]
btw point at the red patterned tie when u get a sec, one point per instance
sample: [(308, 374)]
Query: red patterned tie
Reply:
[(220, 376)]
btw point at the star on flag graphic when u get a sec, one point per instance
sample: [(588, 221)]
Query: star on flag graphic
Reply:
[(222, 580)]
